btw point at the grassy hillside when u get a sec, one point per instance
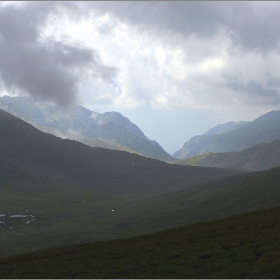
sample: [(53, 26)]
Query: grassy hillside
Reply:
[(216, 199), (259, 157), (66, 191), (45, 159), (67, 215), (58, 192), (245, 246)]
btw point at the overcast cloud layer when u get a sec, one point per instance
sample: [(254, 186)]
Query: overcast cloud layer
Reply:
[(185, 65), (44, 68)]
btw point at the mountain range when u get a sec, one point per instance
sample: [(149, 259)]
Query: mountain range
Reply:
[(27, 154), (57, 192), (258, 157), (68, 189), (233, 136), (110, 130)]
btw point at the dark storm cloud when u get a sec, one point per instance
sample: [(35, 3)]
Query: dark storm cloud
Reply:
[(253, 25), (45, 69), (254, 92), (182, 17), (250, 25)]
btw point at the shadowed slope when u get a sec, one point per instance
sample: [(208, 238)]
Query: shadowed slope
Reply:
[(109, 130), (245, 246), (216, 199), (70, 189), (38, 155)]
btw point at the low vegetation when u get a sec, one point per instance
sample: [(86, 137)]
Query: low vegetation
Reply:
[(71, 189), (58, 193), (245, 246), (75, 215)]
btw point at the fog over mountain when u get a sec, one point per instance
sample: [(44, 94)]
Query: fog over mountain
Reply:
[(110, 130)]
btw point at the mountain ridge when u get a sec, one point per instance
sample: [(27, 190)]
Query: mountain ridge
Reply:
[(264, 129), (111, 129), (26, 148), (221, 128), (77, 193), (259, 157)]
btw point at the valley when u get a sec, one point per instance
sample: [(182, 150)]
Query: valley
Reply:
[(139, 140), (72, 189), (59, 192), (66, 216)]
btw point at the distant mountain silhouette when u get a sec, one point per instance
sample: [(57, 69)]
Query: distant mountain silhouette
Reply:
[(233, 137), (259, 157)]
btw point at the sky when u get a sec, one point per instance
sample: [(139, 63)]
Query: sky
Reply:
[(175, 69)]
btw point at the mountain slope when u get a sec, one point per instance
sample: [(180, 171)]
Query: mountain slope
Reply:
[(221, 128), (109, 130), (70, 189), (26, 148), (65, 219), (56, 192), (245, 246), (264, 129), (259, 157)]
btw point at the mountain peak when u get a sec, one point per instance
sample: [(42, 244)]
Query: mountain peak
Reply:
[(234, 136), (111, 130)]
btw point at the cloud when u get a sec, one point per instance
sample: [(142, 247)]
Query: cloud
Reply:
[(163, 54), (40, 66), (201, 54), (178, 17), (251, 25), (255, 93)]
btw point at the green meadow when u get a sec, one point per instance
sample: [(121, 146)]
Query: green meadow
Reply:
[(122, 215), (64, 215), (244, 246)]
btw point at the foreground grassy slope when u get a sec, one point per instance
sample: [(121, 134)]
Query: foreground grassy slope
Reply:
[(67, 215), (216, 199), (259, 157), (245, 246)]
